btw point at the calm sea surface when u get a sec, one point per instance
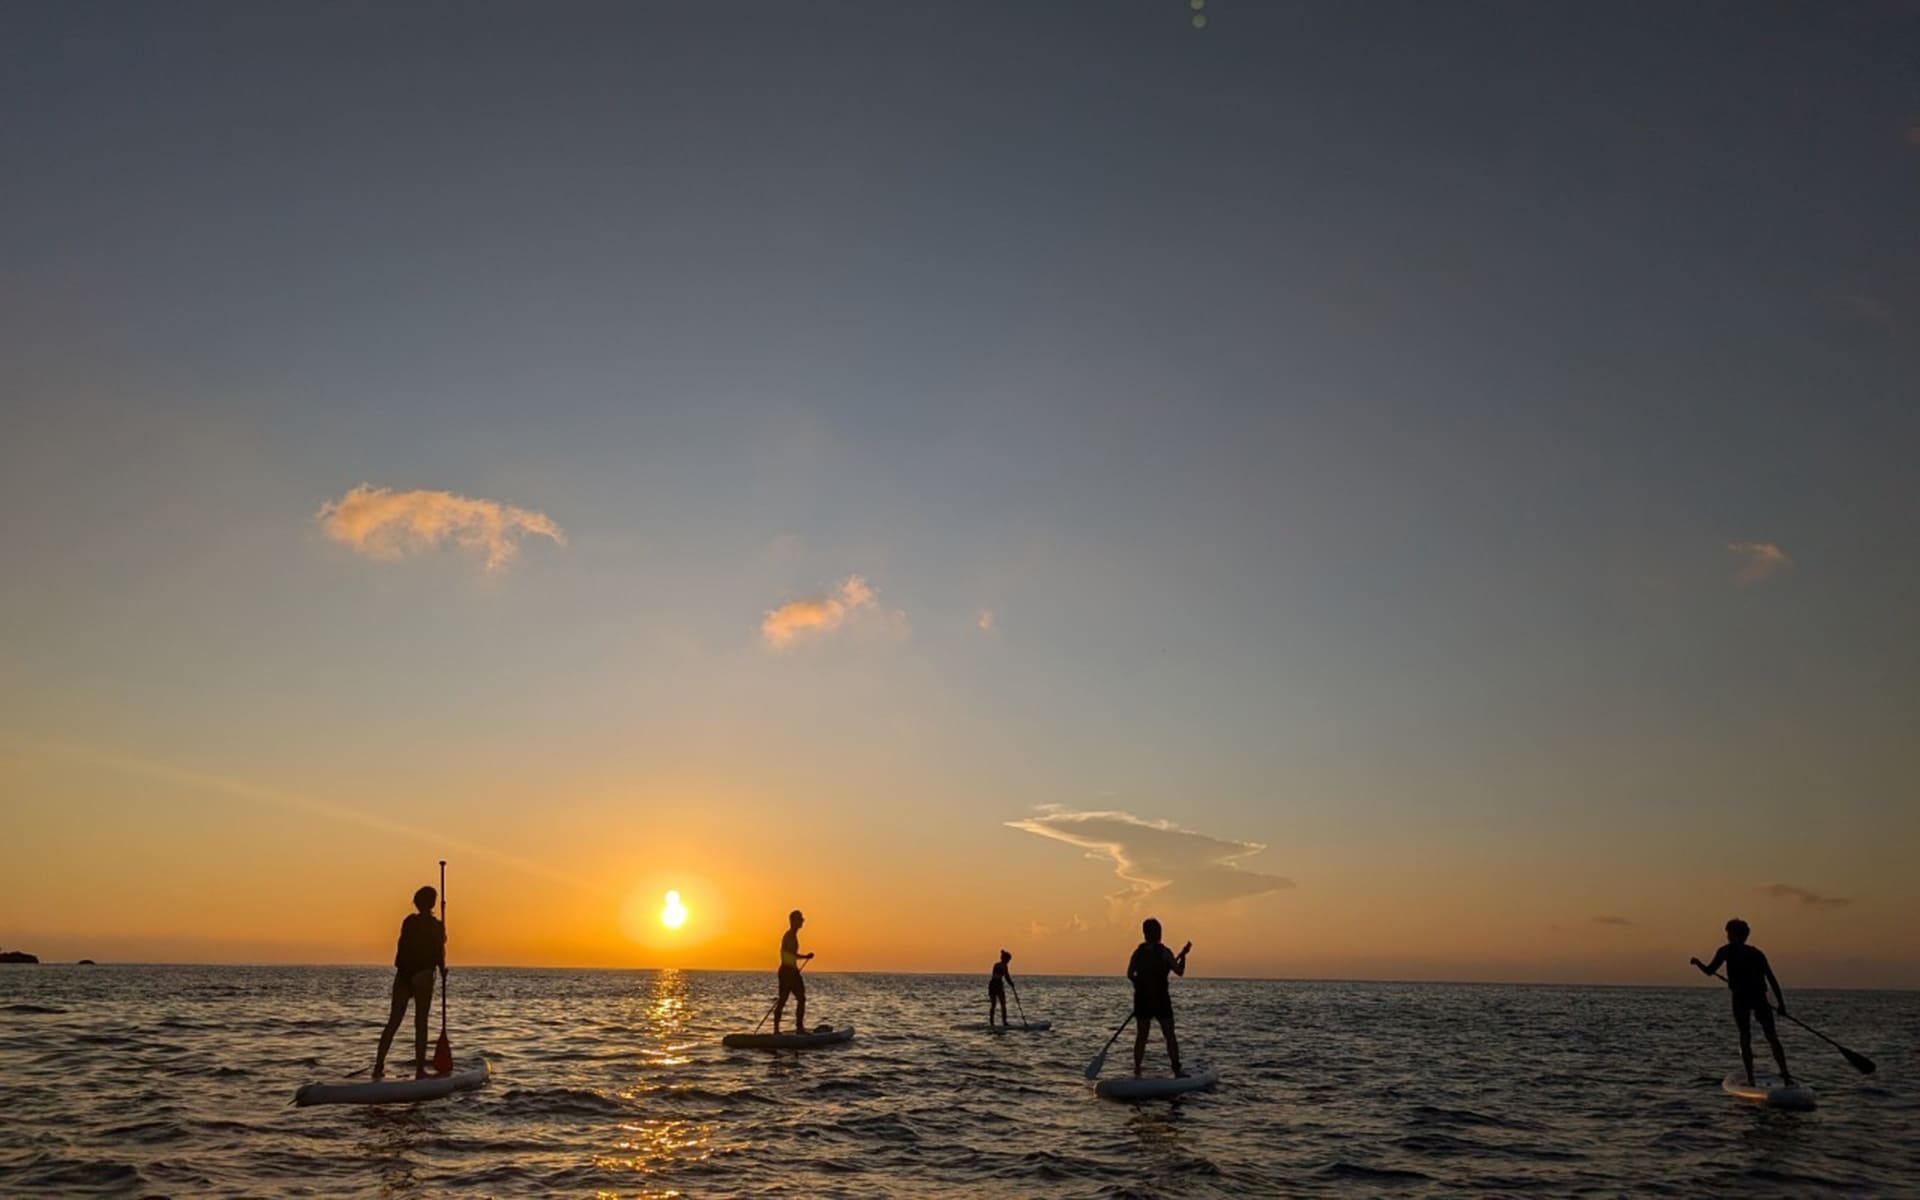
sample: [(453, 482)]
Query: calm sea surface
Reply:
[(129, 1080)]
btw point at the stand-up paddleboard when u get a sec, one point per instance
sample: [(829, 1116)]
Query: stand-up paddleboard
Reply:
[(1016, 1027), (822, 1035), (1767, 1090), (394, 1091), (1148, 1087)]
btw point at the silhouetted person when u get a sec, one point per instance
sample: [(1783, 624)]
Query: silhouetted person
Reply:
[(1150, 969), (792, 983), (1748, 977), (422, 947), (997, 989)]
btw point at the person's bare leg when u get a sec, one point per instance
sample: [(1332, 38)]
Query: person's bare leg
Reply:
[(800, 1009), (422, 1012), (394, 1014), (1746, 1047), (1139, 1043), (1779, 1054), (1173, 1044)]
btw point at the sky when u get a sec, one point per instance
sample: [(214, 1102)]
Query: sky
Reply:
[(1396, 490)]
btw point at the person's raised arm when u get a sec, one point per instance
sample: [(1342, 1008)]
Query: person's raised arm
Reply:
[(1719, 956), (1180, 960)]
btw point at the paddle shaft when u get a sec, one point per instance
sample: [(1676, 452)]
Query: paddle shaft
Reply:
[(443, 1049), (776, 1002), (1100, 1059), (1016, 1002), (443, 952)]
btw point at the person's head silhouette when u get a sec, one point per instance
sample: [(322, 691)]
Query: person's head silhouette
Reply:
[(1005, 956), (795, 920), (1151, 928), (1737, 931), (424, 898)]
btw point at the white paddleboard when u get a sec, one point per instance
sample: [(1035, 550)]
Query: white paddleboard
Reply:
[(1147, 1087), (394, 1091), (787, 1041), (1016, 1027), (1767, 1090)]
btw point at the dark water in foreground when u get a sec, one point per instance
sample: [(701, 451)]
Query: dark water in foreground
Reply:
[(174, 1081)]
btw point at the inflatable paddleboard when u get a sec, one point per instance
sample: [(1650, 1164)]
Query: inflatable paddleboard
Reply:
[(394, 1091), (1767, 1090), (823, 1035), (1016, 1027), (1148, 1087)]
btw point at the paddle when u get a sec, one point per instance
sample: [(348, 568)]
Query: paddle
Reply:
[(1855, 1059), (443, 1049), (776, 1003), (1021, 1008), (1100, 1059)]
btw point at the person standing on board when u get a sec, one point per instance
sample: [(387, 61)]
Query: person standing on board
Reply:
[(792, 983), (422, 947), (1749, 975), (997, 990), (1150, 970)]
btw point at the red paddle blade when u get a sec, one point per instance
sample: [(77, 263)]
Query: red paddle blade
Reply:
[(442, 1056)]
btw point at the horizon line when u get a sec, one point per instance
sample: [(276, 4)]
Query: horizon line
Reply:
[(1543, 983)]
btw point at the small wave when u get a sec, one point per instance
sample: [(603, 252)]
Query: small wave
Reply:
[(571, 1102), (72, 1177), (1340, 1169), (33, 1010), (1465, 1118), (148, 1133)]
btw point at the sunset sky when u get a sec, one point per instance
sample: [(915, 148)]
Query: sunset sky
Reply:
[(1395, 490)]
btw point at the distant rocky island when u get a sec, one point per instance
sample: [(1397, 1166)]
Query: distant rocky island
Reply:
[(18, 956)]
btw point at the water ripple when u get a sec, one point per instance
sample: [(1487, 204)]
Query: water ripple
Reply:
[(152, 1080)]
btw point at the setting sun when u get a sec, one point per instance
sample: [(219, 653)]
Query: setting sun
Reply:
[(673, 914)]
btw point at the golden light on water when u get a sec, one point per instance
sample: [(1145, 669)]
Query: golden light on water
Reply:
[(673, 914)]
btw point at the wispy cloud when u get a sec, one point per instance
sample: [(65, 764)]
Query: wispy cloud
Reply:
[(1158, 857), (1759, 560), (1786, 891), (253, 795), (820, 616), (383, 524), (1611, 921), (984, 620), (1072, 925)]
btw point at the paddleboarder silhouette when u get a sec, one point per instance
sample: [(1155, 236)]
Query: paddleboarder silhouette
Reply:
[(1749, 975), (997, 989), (792, 983), (1151, 969), (422, 948)]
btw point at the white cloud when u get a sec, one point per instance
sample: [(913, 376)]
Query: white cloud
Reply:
[(386, 525), (1761, 560), (1158, 857), (983, 620), (1786, 891), (820, 616)]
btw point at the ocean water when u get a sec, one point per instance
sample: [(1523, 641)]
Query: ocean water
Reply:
[(174, 1081)]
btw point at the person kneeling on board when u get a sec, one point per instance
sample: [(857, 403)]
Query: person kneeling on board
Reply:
[(1150, 970), (422, 947), (997, 990), (792, 983), (1748, 977)]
